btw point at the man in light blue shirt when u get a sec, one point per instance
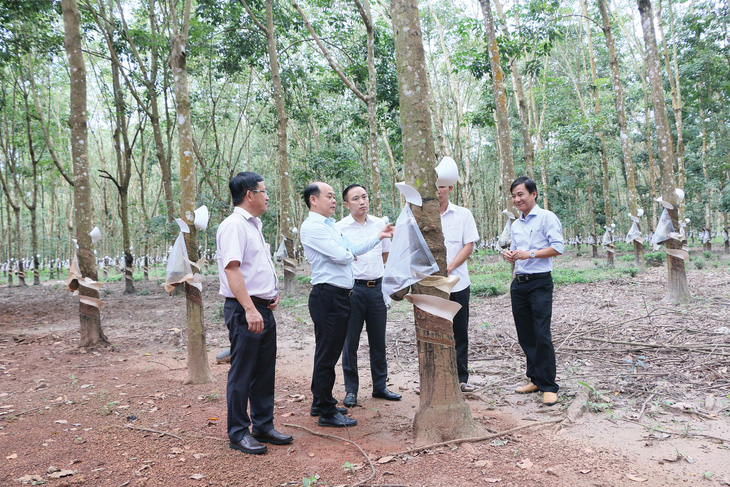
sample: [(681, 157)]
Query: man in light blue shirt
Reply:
[(537, 237), (330, 255)]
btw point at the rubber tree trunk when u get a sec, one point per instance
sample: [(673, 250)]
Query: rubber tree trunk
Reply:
[(504, 140), (89, 316), (623, 128), (287, 219), (442, 414), (198, 368), (677, 287)]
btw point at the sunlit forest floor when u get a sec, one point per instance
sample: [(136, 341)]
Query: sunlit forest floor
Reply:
[(645, 390)]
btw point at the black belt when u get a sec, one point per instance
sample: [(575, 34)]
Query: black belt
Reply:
[(372, 283), (531, 277), (262, 302), (338, 290)]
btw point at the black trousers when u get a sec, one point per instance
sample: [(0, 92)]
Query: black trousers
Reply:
[(253, 367), (329, 308), (366, 306), (532, 309), (461, 332)]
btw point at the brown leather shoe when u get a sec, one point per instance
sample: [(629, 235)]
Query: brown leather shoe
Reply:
[(527, 388), (549, 398)]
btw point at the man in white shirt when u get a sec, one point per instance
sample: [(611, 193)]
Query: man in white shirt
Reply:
[(460, 233), (366, 303), (249, 284), (330, 255)]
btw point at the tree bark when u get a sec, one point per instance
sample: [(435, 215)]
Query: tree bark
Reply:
[(443, 414), (623, 129), (504, 140), (520, 99), (89, 316), (198, 368), (677, 287), (610, 249)]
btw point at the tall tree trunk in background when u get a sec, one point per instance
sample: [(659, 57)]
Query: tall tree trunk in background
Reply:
[(123, 151), (623, 129), (519, 89), (198, 368), (676, 95), (649, 146), (372, 106), (504, 141), (610, 249), (677, 287), (443, 414), (288, 221), (462, 150), (708, 211), (91, 332)]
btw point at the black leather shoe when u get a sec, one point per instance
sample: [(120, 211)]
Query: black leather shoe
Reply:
[(272, 436), (249, 444), (314, 410), (386, 394), (350, 400), (337, 421)]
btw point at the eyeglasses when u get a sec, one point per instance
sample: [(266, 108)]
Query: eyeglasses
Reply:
[(258, 191)]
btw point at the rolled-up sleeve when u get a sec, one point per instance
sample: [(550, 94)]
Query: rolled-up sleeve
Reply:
[(554, 232)]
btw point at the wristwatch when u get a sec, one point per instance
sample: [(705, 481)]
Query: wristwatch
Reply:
[(532, 254)]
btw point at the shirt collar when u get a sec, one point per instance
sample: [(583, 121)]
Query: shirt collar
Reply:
[(349, 220), (243, 212), (533, 212), (449, 208), (320, 217)]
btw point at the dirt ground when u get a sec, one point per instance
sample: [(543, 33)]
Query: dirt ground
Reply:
[(645, 384)]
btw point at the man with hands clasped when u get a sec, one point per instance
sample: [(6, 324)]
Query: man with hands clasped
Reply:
[(537, 237), (248, 282)]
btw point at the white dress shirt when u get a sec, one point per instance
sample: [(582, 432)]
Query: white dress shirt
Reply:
[(330, 254), (459, 229), (239, 238), (368, 266)]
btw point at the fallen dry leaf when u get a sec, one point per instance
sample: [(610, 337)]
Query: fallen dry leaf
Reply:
[(61, 473), (212, 419), (12, 457), (176, 451), (311, 454), (286, 415), (585, 471), (525, 464), (551, 471), (296, 397), (197, 476), (481, 463), (29, 478), (492, 481), (386, 459), (636, 478)]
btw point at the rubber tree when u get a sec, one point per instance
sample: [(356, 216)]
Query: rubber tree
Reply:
[(677, 287), (442, 414), (504, 140), (622, 127), (89, 315), (198, 368)]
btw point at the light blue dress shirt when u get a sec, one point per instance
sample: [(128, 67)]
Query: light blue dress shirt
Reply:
[(538, 230), (330, 254)]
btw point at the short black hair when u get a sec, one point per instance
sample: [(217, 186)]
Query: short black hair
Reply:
[(242, 183), (530, 185), (347, 189), (312, 189)]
